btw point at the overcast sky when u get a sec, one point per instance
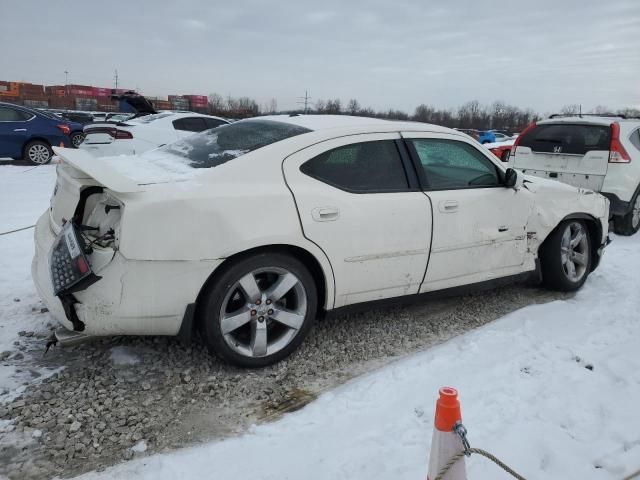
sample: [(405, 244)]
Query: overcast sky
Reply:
[(388, 54)]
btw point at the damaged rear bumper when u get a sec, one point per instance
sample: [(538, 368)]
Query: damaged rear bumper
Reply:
[(132, 297)]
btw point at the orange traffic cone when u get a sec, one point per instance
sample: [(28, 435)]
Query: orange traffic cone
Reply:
[(445, 443)]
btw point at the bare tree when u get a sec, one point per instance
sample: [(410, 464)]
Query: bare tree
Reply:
[(570, 109), (216, 104), (333, 107), (353, 107), (273, 106)]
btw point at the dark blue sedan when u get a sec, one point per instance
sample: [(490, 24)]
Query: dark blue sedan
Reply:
[(30, 134)]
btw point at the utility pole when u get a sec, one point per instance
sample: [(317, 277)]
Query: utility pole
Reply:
[(66, 78), (305, 101), (115, 78)]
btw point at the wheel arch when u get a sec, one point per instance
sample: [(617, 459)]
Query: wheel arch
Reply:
[(323, 280), (595, 232), (35, 138)]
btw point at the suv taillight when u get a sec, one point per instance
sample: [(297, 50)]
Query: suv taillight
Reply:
[(517, 142), (617, 153), (64, 128)]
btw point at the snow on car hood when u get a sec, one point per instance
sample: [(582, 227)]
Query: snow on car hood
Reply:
[(130, 173)]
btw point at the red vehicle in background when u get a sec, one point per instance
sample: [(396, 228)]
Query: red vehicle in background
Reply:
[(501, 150)]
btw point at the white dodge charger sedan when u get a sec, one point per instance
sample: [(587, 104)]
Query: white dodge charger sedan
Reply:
[(137, 135), (250, 231)]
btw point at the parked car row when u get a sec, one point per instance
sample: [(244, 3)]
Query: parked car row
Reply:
[(249, 231), (30, 134)]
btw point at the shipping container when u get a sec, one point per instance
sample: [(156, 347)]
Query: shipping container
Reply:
[(86, 103), (161, 104), (101, 92), (55, 90), (36, 103), (62, 102)]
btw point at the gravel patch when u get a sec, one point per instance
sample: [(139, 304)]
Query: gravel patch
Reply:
[(121, 397)]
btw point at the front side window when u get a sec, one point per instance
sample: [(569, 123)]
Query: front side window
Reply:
[(366, 167), (565, 138), (449, 165), (190, 124), (219, 145), (10, 115)]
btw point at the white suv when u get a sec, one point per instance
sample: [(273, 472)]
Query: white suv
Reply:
[(601, 153)]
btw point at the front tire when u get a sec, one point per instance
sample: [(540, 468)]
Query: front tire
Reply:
[(38, 152), (259, 310), (565, 256), (628, 224)]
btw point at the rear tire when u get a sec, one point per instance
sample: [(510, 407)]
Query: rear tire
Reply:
[(38, 152), (248, 321), (628, 224), (565, 256), (76, 139)]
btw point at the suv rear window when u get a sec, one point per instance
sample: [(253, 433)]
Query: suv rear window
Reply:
[(565, 138), (226, 142)]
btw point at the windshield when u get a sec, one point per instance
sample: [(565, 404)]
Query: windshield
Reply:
[(226, 142)]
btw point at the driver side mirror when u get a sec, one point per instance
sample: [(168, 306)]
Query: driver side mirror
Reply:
[(511, 178)]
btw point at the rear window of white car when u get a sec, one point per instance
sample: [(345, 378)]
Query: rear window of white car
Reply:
[(219, 145), (566, 138)]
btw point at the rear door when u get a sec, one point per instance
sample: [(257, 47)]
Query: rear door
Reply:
[(356, 203), (572, 153), (14, 131)]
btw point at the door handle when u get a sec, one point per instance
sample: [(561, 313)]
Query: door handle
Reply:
[(19, 129), (325, 214), (448, 206)]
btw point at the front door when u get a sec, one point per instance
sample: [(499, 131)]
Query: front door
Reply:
[(479, 226), (354, 202)]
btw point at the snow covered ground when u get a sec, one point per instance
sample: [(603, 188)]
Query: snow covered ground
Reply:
[(552, 389), (24, 195)]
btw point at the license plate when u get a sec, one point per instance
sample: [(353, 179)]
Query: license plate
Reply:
[(69, 267)]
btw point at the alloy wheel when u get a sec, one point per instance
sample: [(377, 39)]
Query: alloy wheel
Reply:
[(77, 139), (38, 153), (263, 311), (574, 252)]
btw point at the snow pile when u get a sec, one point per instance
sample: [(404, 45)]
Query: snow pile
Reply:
[(554, 390)]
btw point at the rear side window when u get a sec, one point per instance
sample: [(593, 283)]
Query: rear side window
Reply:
[(190, 124), (219, 145), (366, 167), (452, 165), (567, 138), (10, 115), (213, 122)]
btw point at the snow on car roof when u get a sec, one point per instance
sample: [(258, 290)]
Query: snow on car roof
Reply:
[(323, 122)]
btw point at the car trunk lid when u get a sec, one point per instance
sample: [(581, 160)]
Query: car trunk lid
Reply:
[(573, 153)]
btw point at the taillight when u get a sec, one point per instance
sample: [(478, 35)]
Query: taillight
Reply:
[(114, 132), (65, 128), (517, 142), (123, 135), (617, 153)]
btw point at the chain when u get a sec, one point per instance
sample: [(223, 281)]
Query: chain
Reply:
[(461, 431)]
